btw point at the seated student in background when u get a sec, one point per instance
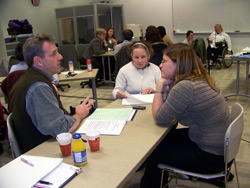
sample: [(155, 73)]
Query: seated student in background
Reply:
[(127, 36), (36, 108), (164, 35), (97, 47), (152, 35), (218, 36), (19, 56), (138, 76), (189, 37), (195, 102), (110, 40)]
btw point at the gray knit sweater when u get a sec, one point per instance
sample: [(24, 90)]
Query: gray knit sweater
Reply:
[(196, 105)]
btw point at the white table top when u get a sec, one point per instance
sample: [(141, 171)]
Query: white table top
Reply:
[(119, 156)]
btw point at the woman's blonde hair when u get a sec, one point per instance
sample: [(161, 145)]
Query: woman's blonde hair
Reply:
[(188, 65)]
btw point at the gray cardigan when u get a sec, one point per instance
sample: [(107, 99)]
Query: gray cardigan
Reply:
[(196, 105)]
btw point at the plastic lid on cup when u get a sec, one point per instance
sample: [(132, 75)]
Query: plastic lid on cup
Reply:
[(77, 136), (64, 138), (93, 134)]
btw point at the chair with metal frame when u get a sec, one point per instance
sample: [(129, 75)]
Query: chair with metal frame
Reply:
[(15, 150), (231, 147)]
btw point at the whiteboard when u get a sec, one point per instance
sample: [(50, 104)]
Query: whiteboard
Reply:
[(201, 15)]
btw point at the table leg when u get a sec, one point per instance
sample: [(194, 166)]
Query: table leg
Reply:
[(238, 77), (109, 68), (103, 66), (247, 73), (94, 92)]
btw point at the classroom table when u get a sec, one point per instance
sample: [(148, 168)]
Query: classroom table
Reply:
[(83, 76), (119, 156), (108, 55), (239, 61)]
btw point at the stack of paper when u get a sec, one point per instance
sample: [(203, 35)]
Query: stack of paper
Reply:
[(109, 121), (137, 99)]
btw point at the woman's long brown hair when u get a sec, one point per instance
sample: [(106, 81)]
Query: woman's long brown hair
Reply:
[(188, 64)]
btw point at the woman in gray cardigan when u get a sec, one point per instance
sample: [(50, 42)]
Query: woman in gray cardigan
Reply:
[(192, 98)]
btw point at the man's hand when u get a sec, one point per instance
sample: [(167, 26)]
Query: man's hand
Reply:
[(83, 109)]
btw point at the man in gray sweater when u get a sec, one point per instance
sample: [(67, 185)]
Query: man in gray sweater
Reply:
[(97, 47)]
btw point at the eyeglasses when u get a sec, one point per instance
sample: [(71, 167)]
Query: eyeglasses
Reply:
[(165, 61)]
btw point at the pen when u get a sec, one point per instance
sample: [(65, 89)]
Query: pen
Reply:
[(45, 182), (27, 162)]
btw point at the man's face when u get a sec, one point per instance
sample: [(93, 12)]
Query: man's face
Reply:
[(217, 29), (51, 62), (102, 36), (191, 36)]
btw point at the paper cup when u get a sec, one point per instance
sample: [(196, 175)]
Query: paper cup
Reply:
[(64, 141), (93, 137)]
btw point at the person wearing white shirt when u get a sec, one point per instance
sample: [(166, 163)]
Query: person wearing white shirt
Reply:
[(128, 36), (216, 37), (138, 76), (189, 37)]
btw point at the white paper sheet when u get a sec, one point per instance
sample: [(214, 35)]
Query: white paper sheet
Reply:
[(19, 174), (137, 99), (106, 127)]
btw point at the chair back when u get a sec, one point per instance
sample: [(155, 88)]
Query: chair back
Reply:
[(80, 49), (15, 150), (122, 58), (234, 133), (158, 47), (68, 52)]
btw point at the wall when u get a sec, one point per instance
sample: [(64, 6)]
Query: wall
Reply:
[(2, 46), (157, 12), (41, 17), (232, 14)]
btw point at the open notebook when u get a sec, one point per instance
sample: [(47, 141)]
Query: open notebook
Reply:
[(109, 121), (27, 172)]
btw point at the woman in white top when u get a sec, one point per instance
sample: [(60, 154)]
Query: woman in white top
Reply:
[(189, 37), (110, 39), (139, 75)]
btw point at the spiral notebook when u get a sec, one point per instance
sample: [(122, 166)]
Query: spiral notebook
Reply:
[(109, 121)]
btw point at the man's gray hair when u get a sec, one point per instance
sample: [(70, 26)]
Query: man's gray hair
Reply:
[(220, 26), (100, 31), (34, 47)]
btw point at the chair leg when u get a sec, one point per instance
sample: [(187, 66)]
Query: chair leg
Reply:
[(12, 151), (162, 175), (236, 173)]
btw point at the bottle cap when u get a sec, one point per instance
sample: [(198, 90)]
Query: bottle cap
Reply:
[(77, 136), (70, 59)]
